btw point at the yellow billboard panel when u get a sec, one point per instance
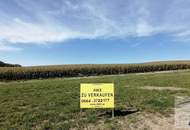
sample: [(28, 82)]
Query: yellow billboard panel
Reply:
[(97, 95)]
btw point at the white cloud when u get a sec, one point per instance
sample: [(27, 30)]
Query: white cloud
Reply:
[(47, 21), (4, 48), (22, 32)]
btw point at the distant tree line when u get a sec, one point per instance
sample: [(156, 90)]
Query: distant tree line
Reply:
[(43, 72), (2, 64)]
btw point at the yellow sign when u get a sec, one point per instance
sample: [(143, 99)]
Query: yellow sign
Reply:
[(97, 95)]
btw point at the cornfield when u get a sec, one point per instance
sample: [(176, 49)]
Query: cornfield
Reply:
[(43, 72)]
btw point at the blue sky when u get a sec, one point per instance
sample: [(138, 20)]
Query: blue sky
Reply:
[(45, 32)]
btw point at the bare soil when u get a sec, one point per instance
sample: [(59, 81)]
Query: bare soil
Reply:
[(162, 88)]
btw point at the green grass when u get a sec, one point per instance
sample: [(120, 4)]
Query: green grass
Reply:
[(54, 103)]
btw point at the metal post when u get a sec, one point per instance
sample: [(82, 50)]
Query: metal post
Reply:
[(112, 113), (80, 113)]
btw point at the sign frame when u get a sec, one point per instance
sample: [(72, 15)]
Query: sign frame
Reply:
[(97, 95)]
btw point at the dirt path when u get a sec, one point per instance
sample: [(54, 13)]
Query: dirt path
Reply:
[(162, 88), (151, 122), (182, 112), (138, 121)]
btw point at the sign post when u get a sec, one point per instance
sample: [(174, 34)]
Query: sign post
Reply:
[(97, 95), (112, 112)]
